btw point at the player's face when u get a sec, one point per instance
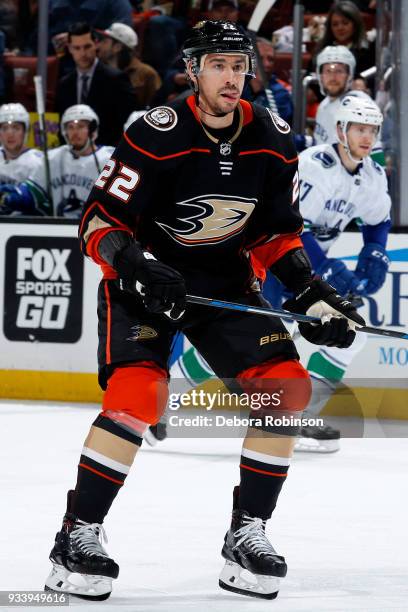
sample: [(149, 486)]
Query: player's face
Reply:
[(342, 29), (221, 82), (12, 137), (361, 139), (77, 134), (334, 78), (267, 54), (83, 51)]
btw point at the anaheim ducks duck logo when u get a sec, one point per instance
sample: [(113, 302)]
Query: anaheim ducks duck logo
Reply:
[(210, 219), (142, 332)]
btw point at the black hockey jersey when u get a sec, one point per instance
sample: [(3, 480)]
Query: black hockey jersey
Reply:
[(197, 203)]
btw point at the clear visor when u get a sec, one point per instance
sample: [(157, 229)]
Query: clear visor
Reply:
[(237, 64)]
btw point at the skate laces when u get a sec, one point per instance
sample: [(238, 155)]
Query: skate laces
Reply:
[(253, 534), (88, 537)]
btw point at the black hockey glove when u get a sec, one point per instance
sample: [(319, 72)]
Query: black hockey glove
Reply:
[(161, 287), (338, 316)]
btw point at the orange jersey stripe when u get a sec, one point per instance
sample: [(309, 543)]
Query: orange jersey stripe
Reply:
[(163, 157), (192, 105), (264, 256), (246, 467), (94, 240), (270, 152), (246, 106), (247, 111), (119, 482)]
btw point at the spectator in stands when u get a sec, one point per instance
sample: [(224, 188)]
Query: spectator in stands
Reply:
[(16, 160), (107, 90), (117, 49), (360, 84), (226, 10), (98, 13), (280, 90), (27, 27), (74, 167), (345, 26), (163, 38), (8, 22)]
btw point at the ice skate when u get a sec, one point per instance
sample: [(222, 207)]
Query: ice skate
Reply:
[(81, 566), (156, 433), (318, 439), (252, 565)]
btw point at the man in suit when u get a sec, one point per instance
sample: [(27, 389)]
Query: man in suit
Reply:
[(105, 89)]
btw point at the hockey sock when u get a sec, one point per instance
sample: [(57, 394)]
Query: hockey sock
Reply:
[(262, 478), (188, 371), (105, 461), (325, 375)]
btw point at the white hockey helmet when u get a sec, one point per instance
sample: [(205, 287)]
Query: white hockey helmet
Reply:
[(81, 112), (132, 118), (14, 113), (336, 54), (356, 109)]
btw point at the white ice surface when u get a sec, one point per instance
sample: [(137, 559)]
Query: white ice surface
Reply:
[(341, 521)]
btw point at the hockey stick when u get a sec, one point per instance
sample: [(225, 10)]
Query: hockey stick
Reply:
[(39, 97), (257, 17), (285, 315)]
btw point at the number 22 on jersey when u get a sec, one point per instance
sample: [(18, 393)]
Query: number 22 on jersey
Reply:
[(123, 183)]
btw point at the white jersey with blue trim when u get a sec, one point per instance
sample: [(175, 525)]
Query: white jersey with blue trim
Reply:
[(331, 196), (72, 178), (325, 131), (13, 171)]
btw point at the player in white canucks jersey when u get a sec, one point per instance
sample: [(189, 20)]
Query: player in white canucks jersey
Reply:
[(74, 167), (16, 160), (339, 183), (335, 72)]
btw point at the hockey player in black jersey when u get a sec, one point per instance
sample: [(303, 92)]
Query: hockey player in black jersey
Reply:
[(192, 190)]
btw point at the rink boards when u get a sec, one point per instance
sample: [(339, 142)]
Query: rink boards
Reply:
[(49, 323)]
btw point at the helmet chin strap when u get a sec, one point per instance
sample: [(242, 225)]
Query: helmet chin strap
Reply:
[(78, 152), (211, 115), (197, 100)]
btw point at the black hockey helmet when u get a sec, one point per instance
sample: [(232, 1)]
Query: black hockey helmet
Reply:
[(217, 37)]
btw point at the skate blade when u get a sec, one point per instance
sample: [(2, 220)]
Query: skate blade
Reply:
[(238, 580), (85, 586), (312, 445), (150, 438)]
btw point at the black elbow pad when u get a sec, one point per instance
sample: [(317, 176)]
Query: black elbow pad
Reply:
[(294, 269), (112, 243)]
